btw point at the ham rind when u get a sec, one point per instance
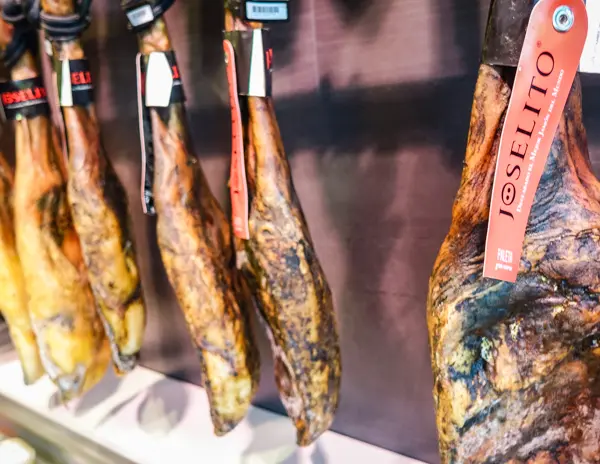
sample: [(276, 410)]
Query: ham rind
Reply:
[(195, 244), (13, 295), (102, 220), (73, 348), (516, 365), (288, 283)]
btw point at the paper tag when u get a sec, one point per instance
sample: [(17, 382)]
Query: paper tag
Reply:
[(163, 84), (266, 11), (48, 47), (253, 61), (24, 99), (174, 92), (75, 83), (590, 58), (257, 82), (159, 81), (140, 16), (238, 186), (545, 74), (145, 128)]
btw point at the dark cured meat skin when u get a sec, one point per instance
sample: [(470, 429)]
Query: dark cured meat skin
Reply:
[(516, 365), (101, 217), (195, 244), (286, 278), (289, 284)]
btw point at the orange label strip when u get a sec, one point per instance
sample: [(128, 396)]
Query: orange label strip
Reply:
[(238, 186), (545, 74)]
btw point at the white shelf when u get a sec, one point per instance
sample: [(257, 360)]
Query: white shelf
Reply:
[(151, 419)]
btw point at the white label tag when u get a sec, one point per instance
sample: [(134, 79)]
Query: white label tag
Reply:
[(590, 58), (48, 47), (140, 16), (257, 82), (159, 81), (267, 11), (64, 90)]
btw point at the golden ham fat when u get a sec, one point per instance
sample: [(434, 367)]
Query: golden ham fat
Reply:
[(101, 218), (72, 345), (281, 266), (13, 296), (196, 249)]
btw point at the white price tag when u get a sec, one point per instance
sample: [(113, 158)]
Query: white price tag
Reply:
[(140, 16), (267, 11), (159, 81)]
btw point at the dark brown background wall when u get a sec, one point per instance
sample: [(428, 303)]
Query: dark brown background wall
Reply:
[(373, 98)]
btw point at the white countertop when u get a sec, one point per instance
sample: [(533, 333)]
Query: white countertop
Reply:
[(152, 419)]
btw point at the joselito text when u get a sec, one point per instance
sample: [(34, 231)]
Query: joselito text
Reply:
[(25, 95), (520, 145)]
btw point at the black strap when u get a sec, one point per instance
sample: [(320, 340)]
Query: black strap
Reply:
[(58, 28), (24, 35), (63, 28), (235, 7), (157, 8)]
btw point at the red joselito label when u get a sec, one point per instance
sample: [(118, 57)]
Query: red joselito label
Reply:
[(237, 182), (554, 41), (24, 99)]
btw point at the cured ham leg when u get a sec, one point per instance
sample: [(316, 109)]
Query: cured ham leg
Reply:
[(195, 244), (13, 296), (516, 365), (73, 347), (101, 218), (288, 283)]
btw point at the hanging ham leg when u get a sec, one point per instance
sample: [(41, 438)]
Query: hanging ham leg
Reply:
[(280, 263), (13, 296), (101, 218), (72, 344), (196, 249), (516, 365)]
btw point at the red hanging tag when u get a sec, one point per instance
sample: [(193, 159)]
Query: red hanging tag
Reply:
[(237, 182), (549, 60)]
